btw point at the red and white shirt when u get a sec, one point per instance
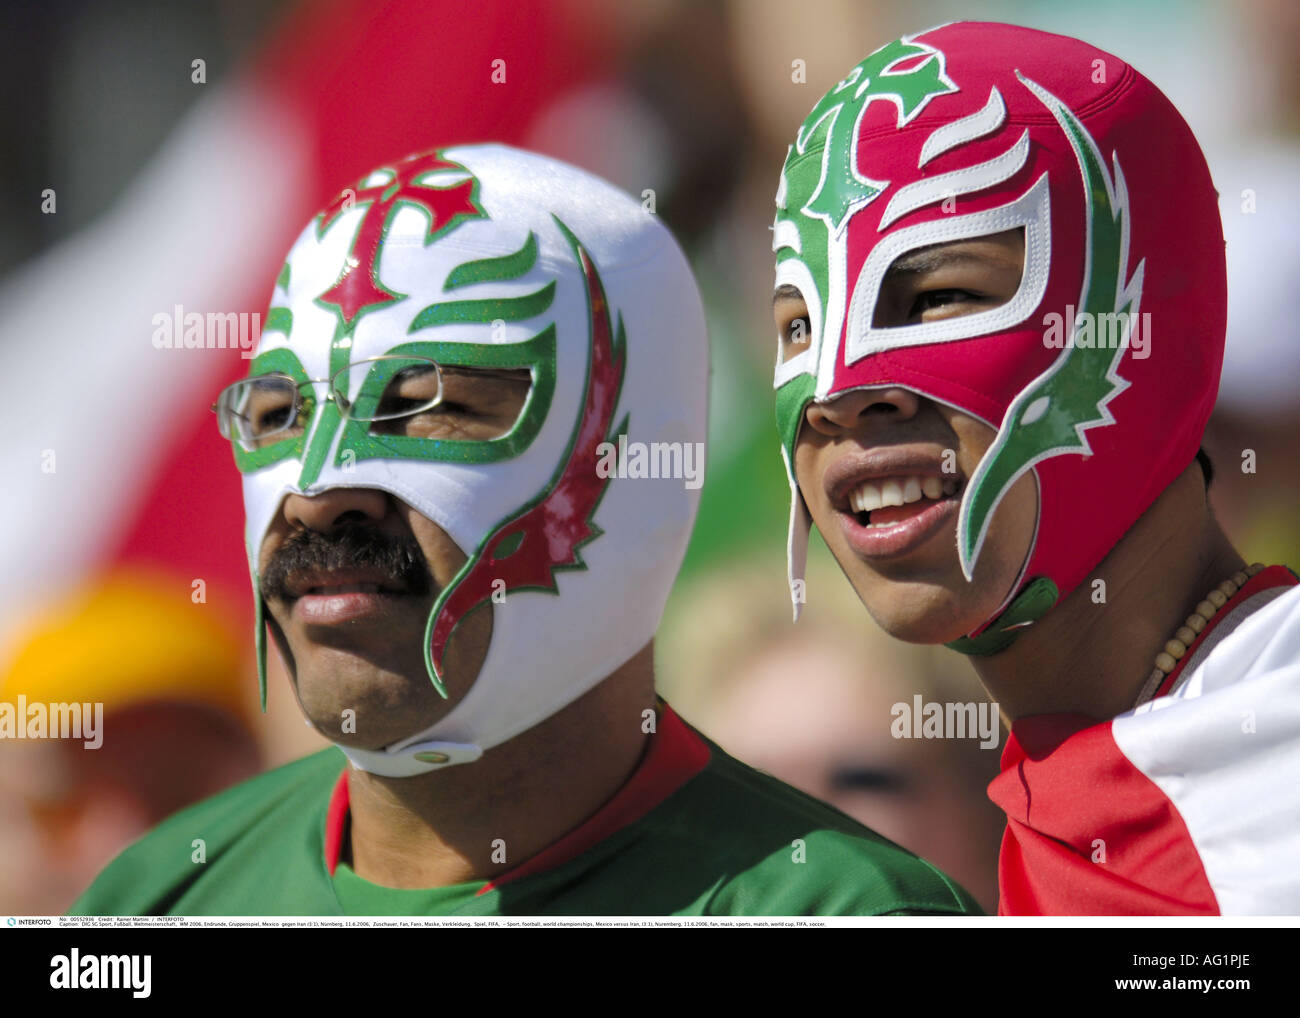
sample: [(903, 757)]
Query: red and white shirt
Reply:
[(1187, 805)]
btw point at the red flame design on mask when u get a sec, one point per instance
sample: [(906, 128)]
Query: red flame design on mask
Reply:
[(546, 535)]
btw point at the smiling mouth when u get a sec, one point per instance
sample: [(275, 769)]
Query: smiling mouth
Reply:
[(885, 501)]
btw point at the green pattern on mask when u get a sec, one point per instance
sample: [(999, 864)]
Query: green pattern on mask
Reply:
[(506, 309), (259, 637), (366, 198), (618, 351), (285, 362), (491, 270), (800, 175), (282, 280), (279, 320), (1030, 605), (791, 399), (328, 420), (537, 354), (1049, 416), (834, 122), (821, 186)]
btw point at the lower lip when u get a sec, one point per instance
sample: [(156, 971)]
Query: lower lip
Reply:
[(332, 609), (897, 539)]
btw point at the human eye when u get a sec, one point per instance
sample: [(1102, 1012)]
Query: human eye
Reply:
[(932, 305), (272, 410), (269, 419), (941, 281), (797, 330), (472, 405), (406, 406), (793, 323)]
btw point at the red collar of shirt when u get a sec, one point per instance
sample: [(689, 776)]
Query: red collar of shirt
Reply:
[(675, 755)]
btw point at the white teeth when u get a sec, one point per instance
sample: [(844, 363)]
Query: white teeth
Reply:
[(865, 498), (870, 495)]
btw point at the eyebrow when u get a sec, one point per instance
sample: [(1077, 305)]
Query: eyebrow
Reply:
[(786, 292), (932, 260), (505, 374), (913, 263)]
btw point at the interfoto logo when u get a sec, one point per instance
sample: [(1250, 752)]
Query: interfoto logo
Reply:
[(75, 971), (179, 329), (921, 720), (23, 720)]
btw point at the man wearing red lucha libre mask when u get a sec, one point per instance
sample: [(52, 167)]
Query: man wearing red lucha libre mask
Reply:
[(1000, 303)]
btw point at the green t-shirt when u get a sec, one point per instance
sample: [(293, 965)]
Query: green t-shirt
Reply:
[(729, 840)]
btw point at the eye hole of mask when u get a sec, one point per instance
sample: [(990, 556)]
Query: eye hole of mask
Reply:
[(793, 325), (263, 410), (950, 280), (477, 404)]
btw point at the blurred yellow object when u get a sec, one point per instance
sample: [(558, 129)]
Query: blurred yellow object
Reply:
[(128, 638)]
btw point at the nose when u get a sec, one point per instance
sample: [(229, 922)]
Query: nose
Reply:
[(335, 508), (852, 409)]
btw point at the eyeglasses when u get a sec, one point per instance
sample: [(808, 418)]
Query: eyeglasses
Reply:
[(273, 405)]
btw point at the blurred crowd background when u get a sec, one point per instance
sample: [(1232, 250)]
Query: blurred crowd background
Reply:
[(184, 183)]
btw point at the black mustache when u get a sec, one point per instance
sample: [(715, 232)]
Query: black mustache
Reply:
[(352, 546)]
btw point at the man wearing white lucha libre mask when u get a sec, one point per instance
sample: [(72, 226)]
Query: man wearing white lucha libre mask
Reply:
[(1000, 311), (466, 443)]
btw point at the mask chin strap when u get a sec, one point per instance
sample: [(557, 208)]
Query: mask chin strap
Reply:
[(407, 760), (1030, 605), (259, 642), (796, 544)]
